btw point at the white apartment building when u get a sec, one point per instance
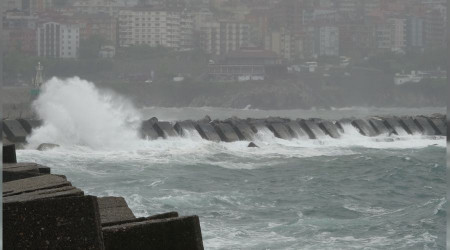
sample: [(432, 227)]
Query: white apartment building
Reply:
[(58, 40), (285, 43), (392, 34), (221, 37), (155, 27)]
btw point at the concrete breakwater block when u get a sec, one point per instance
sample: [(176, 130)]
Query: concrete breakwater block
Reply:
[(364, 127), (30, 124), (140, 219), (174, 233), (394, 124), (65, 191), (243, 131), (147, 130), (14, 131), (379, 126), (439, 125), (330, 129), (114, 210), (33, 184), (280, 131), (410, 126), (16, 171), (165, 129), (226, 132), (184, 127), (258, 126), (296, 130), (61, 223), (9, 153), (312, 129), (207, 132), (424, 124)]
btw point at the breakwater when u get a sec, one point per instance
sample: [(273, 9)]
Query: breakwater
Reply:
[(235, 129), (44, 211)]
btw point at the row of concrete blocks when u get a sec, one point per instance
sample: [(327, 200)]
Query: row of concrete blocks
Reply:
[(44, 211), (235, 129), (245, 129)]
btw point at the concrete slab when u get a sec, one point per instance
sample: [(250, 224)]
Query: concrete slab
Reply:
[(280, 131), (312, 129), (14, 131), (147, 131), (66, 191), (165, 129), (184, 127), (395, 124), (296, 129), (226, 132), (410, 126), (174, 233), (244, 131), (17, 171), (207, 132), (424, 124), (330, 129), (439, 125), (33, 184), (364, 127), (140, 219), (379, 127), (60, 223), (114, 210)]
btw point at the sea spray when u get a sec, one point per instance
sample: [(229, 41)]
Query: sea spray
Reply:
[(75, 112)]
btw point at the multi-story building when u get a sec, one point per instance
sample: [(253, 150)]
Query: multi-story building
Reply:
[(58, 40), (415, 33), (391, 34), (327, 41), (100, 24), (436, 27), (155, 27), (21, 32), (287, 44), (110, 7), (221, 37)]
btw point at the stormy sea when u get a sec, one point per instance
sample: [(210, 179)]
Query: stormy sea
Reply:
[(356, 192)]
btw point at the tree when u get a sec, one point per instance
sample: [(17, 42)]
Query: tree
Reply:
[(89, 48)]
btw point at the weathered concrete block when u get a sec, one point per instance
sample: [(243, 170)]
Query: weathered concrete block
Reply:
[(330, 129), (439, 125), (226, 132), (14, 131), (424, 124), (244, 131), (29, 124), (410, 126), (33, 184), (364, 127), (9, 153), (147, 130), (65, 191), (312, 129), (280, 131), (61, 223), (165, 129), (114, 209), (296, 129), (17, 171), (394, 124), (379, 126), (174, 233), (183, 128), (140, 219), (207, 132)]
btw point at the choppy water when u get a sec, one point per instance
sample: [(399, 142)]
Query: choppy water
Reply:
[(352, 193)]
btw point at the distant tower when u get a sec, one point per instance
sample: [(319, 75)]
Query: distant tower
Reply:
[(38, 80)]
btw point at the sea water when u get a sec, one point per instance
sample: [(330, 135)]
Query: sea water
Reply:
[(350, 193)]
